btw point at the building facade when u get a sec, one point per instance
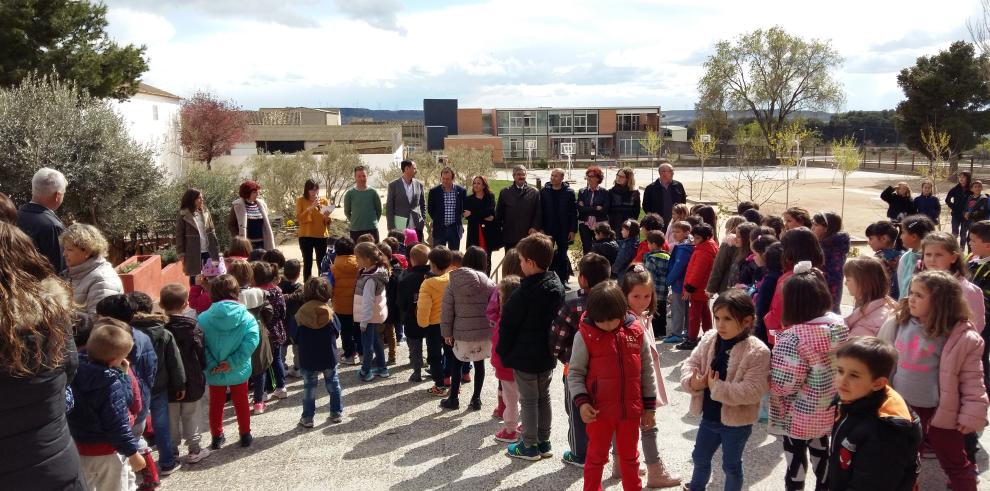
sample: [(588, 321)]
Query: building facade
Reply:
[(152, 118)]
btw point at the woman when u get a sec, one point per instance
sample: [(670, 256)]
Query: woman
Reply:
[(195, 235), (249, 217), (956, 199), (37, 362), (592, 207), (479, 209), (312, 216), (623, 201), (91, 277)]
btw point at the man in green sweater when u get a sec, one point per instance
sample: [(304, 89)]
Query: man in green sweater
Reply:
[(362, 206)]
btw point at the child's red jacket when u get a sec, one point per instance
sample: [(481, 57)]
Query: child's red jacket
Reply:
[(699, 268)]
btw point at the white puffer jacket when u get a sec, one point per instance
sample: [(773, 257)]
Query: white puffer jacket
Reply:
[(92, 281)]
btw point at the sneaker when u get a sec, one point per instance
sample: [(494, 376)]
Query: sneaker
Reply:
[(165, 470), (218, 442), (416, 377), (927, 452), (475, 404), (306, 422), (450, 403), (354, 360), (688, 344), (246, 439), (366, 376), (293, 372), (545, 450), (673, 339), (437, 391), (520, 450), (279, 393), (259, 408), (466, 377), (335, 417), (382, 373), (390, 362), (507, 436), (571, 459), (496, 414), (193, 458)]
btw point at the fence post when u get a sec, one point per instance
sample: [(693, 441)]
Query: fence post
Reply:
[(895, 158), (971, 159), (912, 161)]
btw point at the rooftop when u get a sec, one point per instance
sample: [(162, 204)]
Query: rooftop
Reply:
[(351, 133), (144, 88)]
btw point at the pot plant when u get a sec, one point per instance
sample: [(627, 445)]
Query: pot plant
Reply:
[(172, 265), (141, 273)]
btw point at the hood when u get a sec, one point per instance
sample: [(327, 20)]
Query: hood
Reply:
[(348, 262), (224, 316), (181, 323), (314, 314), (80, 271), (92, 376), (891, 409), (252, 298), (380, 274), (563, 187), (840, 240), (546, 281), (707, 246), (472, 281), (595, 333)]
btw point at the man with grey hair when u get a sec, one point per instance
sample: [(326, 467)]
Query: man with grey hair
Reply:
[(559, 210), (518, 210), (37, 219), (661, 195)]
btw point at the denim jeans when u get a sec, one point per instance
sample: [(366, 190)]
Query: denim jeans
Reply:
[(372, 347), (159, 421), (733, 439), (332, 382), (447, 236)]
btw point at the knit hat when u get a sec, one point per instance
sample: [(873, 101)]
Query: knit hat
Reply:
[(411, 237), (213, 268)]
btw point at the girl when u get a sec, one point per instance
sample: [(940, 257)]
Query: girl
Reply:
[(801, 371), (800, 244), (623, 198), (627, 248), (767, 253), (941, 251), (637, 286), (899, 204), (939, 371), (678, 214), (726, 376), (726, 269), (508, 393), (511, 266), (913, 230), (708, 215), (370, 307), (775, 223), (748, 271), (867, 281), (827, 226), (317, 341), (795, 217), (463, 324), (927, 203), (240, 248), (605, 243), (265, 278)]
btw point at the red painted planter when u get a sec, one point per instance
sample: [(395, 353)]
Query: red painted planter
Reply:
[(147, 277), (173, 273)]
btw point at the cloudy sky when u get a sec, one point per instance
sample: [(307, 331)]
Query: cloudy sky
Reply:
[(390, 54)]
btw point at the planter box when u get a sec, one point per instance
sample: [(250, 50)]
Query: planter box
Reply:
[(173, 273), (147, 277)]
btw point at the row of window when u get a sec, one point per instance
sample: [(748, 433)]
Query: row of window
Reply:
[(558, 122)]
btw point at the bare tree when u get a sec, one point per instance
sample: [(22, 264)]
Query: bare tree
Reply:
[(336, 168), (703, 145), (847, 157), (979, 28)]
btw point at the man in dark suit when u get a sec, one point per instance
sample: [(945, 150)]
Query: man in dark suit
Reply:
[(518, 210), (37, 219), (446, 206), (405, 199), (661, 195)]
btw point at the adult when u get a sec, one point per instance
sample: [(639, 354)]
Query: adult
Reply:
[(592, 206), (559, 208), (956, 199), (195, 235), (518, 209), (899, 202), (8, 212), (661, 195), (37, 219), (623, 199), (405, 199), (37, 362), (90, 275), (479, 209), (312, 216), (249, 217), (446, 207), (362, 206)]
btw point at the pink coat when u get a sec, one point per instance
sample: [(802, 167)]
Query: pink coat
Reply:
[(746, 379), (867, 320), (974, 298), (494, 314), (650, 340), (962, 397)]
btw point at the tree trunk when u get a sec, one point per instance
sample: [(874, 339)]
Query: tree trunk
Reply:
[(209, 163), (701, 188)]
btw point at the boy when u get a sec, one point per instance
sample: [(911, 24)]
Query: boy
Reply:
[(428, 316), (170, 377), (976, 210), (657, 262), (592, 270), (876, 435), (408, 295), (523, 343), (979, 267), (292, 290), (699, 268), (387, 331), (100, 422), (345, 272), (882, 237), (650, 222), (680, 256), (183, 404)]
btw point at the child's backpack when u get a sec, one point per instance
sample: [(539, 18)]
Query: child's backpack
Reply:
[(262, 357)]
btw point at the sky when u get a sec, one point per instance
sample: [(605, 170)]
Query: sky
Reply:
[(391, 54)]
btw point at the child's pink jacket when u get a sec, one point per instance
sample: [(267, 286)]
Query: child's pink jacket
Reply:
[(494, 314), (867, 320)]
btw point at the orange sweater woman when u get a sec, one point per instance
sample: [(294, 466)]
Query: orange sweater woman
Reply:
[(312, 222)]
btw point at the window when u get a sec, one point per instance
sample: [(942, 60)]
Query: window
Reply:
[(154, 112), (630, 147), (585, 121), (627, 122), (560, 122)]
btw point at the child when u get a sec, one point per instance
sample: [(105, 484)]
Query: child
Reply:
[(199, 294), (183, 404), (605, 244), (801, 372), (408, 296), (399, 263), (876, 435), (748, 271), (170, 377), (100, 422), (707, 215), (345, 272), (508, 392), (866, 279), (882, 238), (657, 262), (592, 270), (456, 258), (939, 370), (370, 308), (265, 276), (976, 210), (913, 230), (695, 279), (678, 213), (927, 203), (428, 307), (776, 223), (768, 254), (394, 241), (799, 244), (230, 335), (388, 330), (253, 299), (240, 249), (612, 383), (317, 342), (510, 267), (979, 243), (641, 297), (651, 222), (523, 343), (725, 269), (627, 248), (291, 289), (827, 226), (899, 203), (680, 256), (795, 217), (941, 251), (726, 376)]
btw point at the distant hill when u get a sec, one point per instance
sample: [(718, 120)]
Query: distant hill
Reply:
[(348, 114), (684, 117)]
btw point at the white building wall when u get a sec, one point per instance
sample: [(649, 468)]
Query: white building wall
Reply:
[(154, 120)]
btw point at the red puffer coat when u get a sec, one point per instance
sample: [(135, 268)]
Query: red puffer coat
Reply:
[(613, 379), (699, 268)]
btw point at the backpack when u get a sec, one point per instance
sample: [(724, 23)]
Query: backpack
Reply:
[(262, 357)]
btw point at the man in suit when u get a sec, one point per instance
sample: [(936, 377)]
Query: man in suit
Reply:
[(661, 195), (518, 210), (446, 206), (405, 199)]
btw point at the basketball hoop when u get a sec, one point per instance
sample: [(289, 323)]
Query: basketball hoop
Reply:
[(706, 138), (567, 150)]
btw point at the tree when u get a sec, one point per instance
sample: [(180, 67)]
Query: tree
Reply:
[(936, 144), (771, 74), (469, 162), (652, 143), (281, 177), (979, 30), (67, 38), (783, 143), (210, 126), (113, 180), (948, 91), (749, 182), (703, 145), (847, 157), (336, 169)]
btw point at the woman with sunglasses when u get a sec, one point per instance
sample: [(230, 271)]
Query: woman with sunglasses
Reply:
[(592, 206)]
